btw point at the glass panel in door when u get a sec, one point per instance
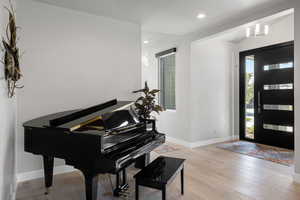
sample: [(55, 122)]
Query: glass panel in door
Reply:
[(249, 97)]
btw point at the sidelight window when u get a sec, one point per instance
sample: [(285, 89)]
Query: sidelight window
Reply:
[(249, 96)]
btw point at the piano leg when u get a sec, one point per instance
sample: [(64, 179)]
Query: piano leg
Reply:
[(117, 180), (142, 161), (91, 185), (48, 171), (124, 176)]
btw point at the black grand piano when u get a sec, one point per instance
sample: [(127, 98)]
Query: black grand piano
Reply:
[(105, 138)]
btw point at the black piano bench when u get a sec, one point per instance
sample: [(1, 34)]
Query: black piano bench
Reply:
[(159, 173)]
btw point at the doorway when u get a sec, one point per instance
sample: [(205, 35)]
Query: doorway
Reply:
[(267, 95)]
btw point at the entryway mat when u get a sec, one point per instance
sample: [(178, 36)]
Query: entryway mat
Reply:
[(265, 152)]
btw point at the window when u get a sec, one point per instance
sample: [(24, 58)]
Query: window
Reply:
[(289, 129), (166, 63), (287, 86), (279, 66)]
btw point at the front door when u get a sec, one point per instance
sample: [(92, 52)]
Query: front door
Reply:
[(268, 94)]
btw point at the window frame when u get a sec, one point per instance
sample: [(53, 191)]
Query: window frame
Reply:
[(160, 80)]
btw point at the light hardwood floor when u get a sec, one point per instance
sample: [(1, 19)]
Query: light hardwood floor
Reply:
[(210, 173)]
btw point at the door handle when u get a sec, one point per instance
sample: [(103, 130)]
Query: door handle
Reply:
[(259, 102)]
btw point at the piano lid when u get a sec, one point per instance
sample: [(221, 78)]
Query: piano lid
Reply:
[(82, 113), (44, 121)]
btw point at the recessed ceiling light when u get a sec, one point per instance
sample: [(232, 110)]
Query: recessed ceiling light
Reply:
[(257, 29), (248, 32), (201, 16), (267, 29), (146, 42)]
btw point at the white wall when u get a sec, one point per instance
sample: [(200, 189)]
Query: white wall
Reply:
[(201, 113), (297, 90), (72, 60), (211, 89), (174, 123), (7, 125)]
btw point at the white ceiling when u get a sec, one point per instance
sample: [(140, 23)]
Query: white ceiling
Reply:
[(159, 39), (176, 17), (239, 33), (235, 35)]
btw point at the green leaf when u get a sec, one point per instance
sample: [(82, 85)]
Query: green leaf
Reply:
[(159, 108), (137, 91), (154, 91), (139, 106), (140, 99)]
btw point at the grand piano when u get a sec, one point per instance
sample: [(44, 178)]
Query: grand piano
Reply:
[(106, 138)]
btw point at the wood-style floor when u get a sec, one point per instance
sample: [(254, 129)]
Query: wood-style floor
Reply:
[(210, 173)]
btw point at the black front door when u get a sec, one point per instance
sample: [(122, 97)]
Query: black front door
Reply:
[(272, 100)]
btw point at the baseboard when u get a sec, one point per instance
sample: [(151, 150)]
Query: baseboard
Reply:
[(12, 195), (13, 190), (212, 141), (201, 143), (178, 141), (296, 177), (26, 176)]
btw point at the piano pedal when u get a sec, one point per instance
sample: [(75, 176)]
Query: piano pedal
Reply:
[(125, 187), (47, 191), (122, 190), (125, 194), (125, 197)]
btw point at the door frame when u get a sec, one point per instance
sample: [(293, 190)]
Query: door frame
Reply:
[(242, 91)]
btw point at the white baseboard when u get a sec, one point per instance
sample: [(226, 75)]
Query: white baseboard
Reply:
[(13, 190), (201, 143), (178, 141), (296, 177), (26, 176), (12, 196), (212, 141)]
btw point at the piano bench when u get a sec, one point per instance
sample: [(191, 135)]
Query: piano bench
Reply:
[(159, 173)]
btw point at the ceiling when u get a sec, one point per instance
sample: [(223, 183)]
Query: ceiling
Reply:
[(235, 35), (159, 39), (239, 34), (176, 17)]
